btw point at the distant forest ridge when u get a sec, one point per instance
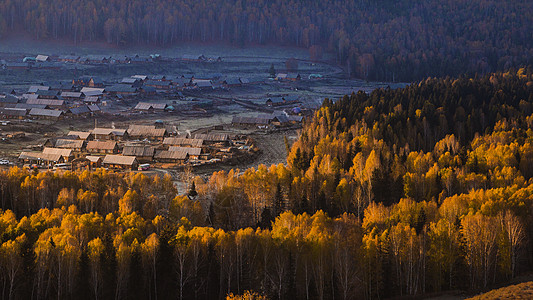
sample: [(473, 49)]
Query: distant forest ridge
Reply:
[(402, 40)]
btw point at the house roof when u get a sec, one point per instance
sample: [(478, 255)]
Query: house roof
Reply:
[(147, 106), (93, 158), (130, 80), (146, 131), (119, 160), (101, 145), (83, 135), (49, 93), (71, 94), (29, 106), (90, 89), (62, 152), (141, 77), (40, 156), (108, 131), (183, 142), (80, 110), (42, 57), (202, 82), (68, 144), (51, 102), (171, 155), (213, 137), (35, 88), (154, 82), (45, 112), (94, 108), (121, 88), (138, 151), (8, 99), (15, 112), (189, 150), (92, 93)]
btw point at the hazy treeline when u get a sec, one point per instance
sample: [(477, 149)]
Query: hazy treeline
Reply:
[(387, 40), (399, 192)]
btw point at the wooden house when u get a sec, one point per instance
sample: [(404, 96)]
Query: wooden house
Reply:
[(109, 134), (66, 153), (184, 142), (143, 153), (147, 132), (40, 158), (194, 153), (75, 145), (103, 147), (171, 156), (120, 162)]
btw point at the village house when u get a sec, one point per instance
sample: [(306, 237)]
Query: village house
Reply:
[(202, 83), (194, 153), (78, 111), (71, 95), (171, 156), (134, 82), (275, 101), (51, 103), (81, 135), (66, 153), (109, 134), (184, 142), (40, 158), (151, 107), (121, 89), (75, 145), (34, 88), (47, 94), (147, 132), (8, 99), (42, 58), (213, 138), (92, 100), (87, 162), (89, 81), (143, 153), (12, 113), (46, 114), (120, 162), (161, 85), (103, 147)]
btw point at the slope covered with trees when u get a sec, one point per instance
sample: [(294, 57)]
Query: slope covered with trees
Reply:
[(400, 192), (388, 40)]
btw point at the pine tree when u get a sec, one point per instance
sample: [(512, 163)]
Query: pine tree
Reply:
[(272, 71)]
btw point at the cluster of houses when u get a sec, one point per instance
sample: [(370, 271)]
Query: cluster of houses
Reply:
[(156, 84), (57, 61), (277, 119), (53, 101), (125, 149)]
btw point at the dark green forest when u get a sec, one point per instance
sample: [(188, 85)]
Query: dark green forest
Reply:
[(401, 192), (387, 40)]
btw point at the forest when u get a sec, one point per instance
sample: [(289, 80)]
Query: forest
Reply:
[(385, 40), (400, 192)]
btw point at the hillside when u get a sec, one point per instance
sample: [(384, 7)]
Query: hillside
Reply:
[(519, 291), (401, 192), (386, 40)]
